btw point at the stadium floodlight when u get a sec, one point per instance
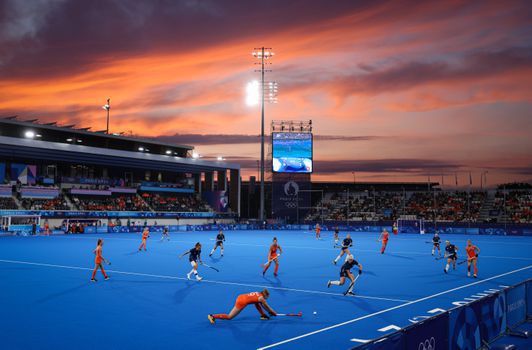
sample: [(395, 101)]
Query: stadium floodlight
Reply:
[(29, 134), (69, 140), (220, 158), (140, 149), (38, 135), (79, 141), (263, 54), (168, 152), (195, 155), (252, 93), (107, 107)]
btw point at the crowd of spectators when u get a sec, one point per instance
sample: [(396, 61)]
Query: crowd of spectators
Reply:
[(58, 203), (181, 203), (441, 206), (110, 203), (515, 205)]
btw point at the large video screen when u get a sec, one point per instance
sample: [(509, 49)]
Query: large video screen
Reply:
[(292, 152)]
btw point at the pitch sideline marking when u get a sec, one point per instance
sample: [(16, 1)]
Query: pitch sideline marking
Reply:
[(204, 280), (390, 309)]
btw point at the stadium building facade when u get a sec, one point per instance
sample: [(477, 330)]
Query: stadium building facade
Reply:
[(59, 172)]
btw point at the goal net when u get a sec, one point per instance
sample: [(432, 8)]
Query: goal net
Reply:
[(411, 225)]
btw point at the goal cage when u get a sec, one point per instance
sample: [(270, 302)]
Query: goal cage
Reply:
[(20, 224), (411, 226)]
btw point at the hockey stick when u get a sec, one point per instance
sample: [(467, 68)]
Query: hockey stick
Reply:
[(269, 261), (351, 285), (299, 314)]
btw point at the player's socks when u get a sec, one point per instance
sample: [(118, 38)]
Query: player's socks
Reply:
[(446, 268), (432, 251), (106, 278), (220, 316), (93, 274), (334, 283), (222, 252), (475, 270), (276, 269)]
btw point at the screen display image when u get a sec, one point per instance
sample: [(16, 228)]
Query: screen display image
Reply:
[(292, 152)]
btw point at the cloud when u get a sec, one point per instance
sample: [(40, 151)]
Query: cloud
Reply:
[(233, 139)]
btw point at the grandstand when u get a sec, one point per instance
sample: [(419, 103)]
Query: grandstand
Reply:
[(55, 171)]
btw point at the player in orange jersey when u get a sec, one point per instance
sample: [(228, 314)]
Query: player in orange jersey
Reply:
[(273, 256), (472, 257), (98, 261), (318, 231), (256, 298), (145, 235), (385, 235), (46, 228)]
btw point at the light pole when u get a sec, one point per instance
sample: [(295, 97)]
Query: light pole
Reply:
[(107, 107), (262, 54)]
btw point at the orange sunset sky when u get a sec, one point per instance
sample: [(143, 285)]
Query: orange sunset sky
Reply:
[(397, 90)]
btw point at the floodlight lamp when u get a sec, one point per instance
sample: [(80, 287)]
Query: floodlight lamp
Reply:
[(29, 134)]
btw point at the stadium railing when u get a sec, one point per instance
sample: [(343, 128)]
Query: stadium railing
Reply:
[(474, 325)]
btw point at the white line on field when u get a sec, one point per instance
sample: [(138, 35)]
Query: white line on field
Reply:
[(203, 281), (389, 309)]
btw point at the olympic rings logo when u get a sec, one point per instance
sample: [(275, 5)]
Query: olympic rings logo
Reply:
[(428, 344), (291, 205)]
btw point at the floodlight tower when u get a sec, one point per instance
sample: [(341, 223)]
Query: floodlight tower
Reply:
[(263, 54), (107, 107)]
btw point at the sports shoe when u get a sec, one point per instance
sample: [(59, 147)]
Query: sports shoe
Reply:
[(274, 274), (334, 262), (264, 317), (351, 293), (329, 284), (198, 278), (210, 254), (475, 276), (211, 319), (444, 270), (94, 280), (107, 278)]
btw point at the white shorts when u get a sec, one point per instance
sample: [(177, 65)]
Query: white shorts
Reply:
[(193, 263)]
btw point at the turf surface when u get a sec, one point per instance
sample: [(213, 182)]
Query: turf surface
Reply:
[(48, 301)]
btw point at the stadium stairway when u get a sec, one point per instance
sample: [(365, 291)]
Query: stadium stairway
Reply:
[(71, 205), (18, 203), (143, 201), (487, 206)]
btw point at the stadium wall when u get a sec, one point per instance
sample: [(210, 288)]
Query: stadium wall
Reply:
[(469, 326)]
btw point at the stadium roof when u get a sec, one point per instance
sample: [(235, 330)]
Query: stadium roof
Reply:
[(29, 150), (12, 127)]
